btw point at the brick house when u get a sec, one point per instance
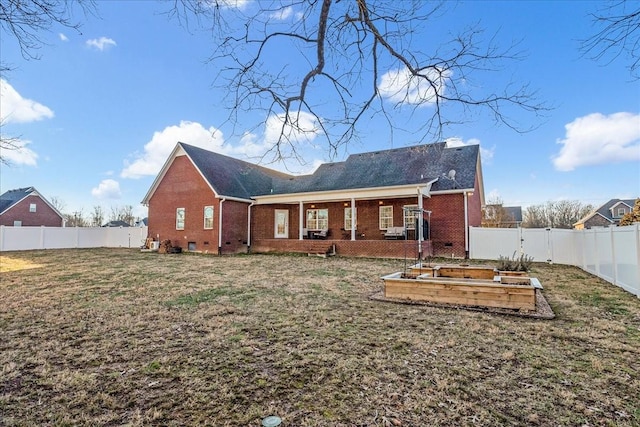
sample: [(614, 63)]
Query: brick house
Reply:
[(412, 201), (609, 214), (26, 207)]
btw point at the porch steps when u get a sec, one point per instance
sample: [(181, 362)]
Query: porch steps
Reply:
[(321, 248)]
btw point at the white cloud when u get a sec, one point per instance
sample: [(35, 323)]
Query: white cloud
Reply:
[(302, 128), (598, 139), (402, 87), (16, 109), (101, 44), (63, 37), (162, 143), (282, 14), (107, 189), (486, 154), (21, 155)]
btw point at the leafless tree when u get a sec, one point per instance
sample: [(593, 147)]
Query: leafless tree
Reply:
[(617, 34), (122, 213), (331, 65), (27, 20), (97, 216), (7, 142), (559, 214), (494, 214), (76, 219), (57, 203)]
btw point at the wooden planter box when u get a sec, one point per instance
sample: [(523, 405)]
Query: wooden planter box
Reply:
[(499, 292)]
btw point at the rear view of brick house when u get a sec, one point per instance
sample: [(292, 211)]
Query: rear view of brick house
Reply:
[(206, 202)]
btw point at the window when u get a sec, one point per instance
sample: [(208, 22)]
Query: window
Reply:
[(347, 218), (17, 223), (208, 217), (180, 218), (410, 213), (621, 212), (318, 219), (386, 217), (32, 207)]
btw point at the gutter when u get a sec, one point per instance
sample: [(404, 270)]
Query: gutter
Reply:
[(466, 226)]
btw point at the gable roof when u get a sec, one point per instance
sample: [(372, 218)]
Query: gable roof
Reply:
[(606, 210), (11, 198), (436, 165)]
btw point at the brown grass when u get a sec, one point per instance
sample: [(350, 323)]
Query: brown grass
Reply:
[(117, 337)]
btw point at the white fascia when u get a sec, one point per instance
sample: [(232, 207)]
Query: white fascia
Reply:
[(408, 190)]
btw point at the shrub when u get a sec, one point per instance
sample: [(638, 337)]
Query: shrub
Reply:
[(515, 263)]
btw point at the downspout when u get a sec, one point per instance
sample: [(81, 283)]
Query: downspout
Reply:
[(249, 228), (220, 225), (466, 226)]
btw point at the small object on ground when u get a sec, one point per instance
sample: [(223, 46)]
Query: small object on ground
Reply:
[(271, 421)]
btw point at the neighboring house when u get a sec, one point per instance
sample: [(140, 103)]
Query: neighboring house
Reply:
[(513, 216), (204, 201), (117, 223), (606, 215), (26, 207), (142, 222)]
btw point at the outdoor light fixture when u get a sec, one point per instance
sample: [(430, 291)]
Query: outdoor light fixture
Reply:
[(345, 204), (313, 206), (380, 202)]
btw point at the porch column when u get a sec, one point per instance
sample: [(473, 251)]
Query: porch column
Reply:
[(421, 218), (301, 221), (353, 218)]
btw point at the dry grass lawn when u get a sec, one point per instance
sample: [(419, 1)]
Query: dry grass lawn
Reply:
[(111, 337)]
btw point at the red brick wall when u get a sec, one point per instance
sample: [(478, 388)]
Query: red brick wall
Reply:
[(357, 248), (234, 226), (43, 215), (447, 224), (183, 187)]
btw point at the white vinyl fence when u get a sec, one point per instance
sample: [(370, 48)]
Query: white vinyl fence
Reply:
[(27, 238), (611, 253)]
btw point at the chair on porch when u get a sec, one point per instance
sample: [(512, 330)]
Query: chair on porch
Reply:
[(321, 234)]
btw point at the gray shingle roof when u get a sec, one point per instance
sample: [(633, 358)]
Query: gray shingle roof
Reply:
[(11, 197), (399, 166), (229, 176), (605, 210)]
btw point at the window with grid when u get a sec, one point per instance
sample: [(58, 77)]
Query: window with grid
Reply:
[(208, 217), (386, 217), (621, 212), (317, 219), (180, 214), (410, 213), (348, 214), (32, 207)]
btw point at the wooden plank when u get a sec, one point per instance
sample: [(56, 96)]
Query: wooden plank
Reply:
[(427, 293)]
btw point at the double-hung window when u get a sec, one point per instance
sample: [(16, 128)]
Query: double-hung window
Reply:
[(349, 214), (180, 215), (32, 207), (386, 217), (208, 217), (410, 212), (317, 219)]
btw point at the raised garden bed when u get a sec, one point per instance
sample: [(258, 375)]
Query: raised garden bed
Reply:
[(479, 286)]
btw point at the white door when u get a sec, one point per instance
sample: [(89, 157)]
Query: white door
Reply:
[(282, 224)]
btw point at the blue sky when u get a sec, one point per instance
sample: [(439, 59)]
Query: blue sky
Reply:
[(101, 109)]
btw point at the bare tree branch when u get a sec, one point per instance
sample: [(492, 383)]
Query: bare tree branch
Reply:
[(618, 34)]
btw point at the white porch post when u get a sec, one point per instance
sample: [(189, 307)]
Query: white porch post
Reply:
[(353, 218), (421, 218), (301, 221)]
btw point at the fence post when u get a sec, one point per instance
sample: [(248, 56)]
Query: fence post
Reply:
[(637, 233), (42, 237), (612, 242)]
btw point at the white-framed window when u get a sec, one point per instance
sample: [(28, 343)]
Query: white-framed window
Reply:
[(17, 223), (317, 219), (32, 207), (348, 214), (621, 212), (208, 217), (409, 220), (386, 217), (180, 215)]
